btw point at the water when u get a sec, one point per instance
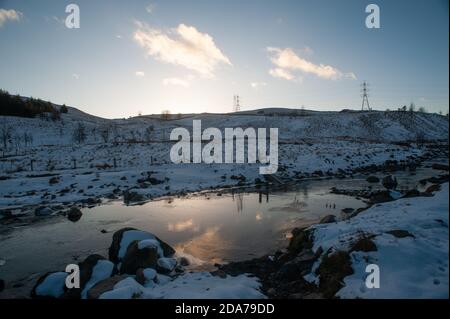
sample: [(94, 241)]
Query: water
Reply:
[(211, 228)]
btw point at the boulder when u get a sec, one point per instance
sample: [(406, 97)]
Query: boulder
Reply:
[(86, 270), (74, 214), (389, 182), (143, 276), (104, 286), (301, 239), (166, 265), (332, 270), (125, 236), (49, 286), (139, 257)]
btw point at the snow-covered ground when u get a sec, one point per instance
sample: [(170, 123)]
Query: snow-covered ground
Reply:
[(412, 265), (54, 168)]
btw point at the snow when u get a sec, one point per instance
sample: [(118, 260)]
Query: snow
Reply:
[(409, 267), (149, 274), (53, 285), (167, 263), (131, 235), (151, 243), (326, 141), (102, 270), (190, 286)]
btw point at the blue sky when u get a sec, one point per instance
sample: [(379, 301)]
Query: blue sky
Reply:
[(193, 56)]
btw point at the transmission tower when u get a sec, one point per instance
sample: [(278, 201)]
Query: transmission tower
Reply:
[(236, 103), (365, 95)]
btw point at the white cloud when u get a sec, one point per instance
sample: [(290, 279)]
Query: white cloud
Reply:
[(11, 15), (282, 74), (184, 46), (287, 60), (140, 74), (150, 8), (76, 76), (257, 85), (176, 81), (118, 36)]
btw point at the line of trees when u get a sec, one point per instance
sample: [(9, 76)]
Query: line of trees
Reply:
[(15, 105)]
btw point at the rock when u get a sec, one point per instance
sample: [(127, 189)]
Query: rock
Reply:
[(50, 285), (43, 211), (433, 188), (130, 196), (399, 233), (125, 236), (146, 275), (306, 255), (364, 244), (137, 257), (301, 239), (412, 193), (332, 270), (74, 214), (372, 179), (328, 219), (86, 268), (380, 197), (183, 261), (442, 167), (166, 265), (140, 278), (104, 286), (103, 231), (389, 182)]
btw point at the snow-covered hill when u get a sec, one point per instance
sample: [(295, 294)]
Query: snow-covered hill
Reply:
[(293, 125)]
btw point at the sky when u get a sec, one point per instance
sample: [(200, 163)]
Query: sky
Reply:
[(131, 57)]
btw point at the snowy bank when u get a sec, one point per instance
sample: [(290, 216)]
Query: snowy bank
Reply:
[(411, 248)]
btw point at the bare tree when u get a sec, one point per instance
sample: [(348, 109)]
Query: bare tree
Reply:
[(104, 133), (79, 133), (149, 133), (6, 134)]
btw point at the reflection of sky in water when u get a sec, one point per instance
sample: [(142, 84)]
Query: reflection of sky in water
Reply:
[(212, 228)]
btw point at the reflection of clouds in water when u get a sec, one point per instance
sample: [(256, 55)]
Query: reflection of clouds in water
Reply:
[(183, 225), (208, 246)]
